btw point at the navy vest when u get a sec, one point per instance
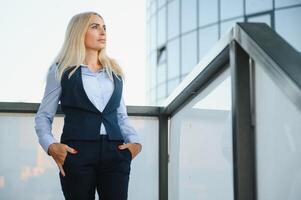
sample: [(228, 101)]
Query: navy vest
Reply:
[(82, 119)]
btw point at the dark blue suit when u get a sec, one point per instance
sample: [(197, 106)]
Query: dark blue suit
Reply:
[(99, 164)]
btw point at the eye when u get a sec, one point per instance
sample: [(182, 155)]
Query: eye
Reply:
[(94, 27), (104, 28)]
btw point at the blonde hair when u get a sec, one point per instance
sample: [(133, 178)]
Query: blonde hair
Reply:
[(73, 50)]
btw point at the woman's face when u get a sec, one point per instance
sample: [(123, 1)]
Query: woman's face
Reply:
[(95, 37)]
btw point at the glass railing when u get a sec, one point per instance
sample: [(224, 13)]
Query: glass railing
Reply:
[(234, 121), (27, 172), (230, 130)]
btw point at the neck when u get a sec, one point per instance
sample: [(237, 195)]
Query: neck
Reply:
[(91, 59)]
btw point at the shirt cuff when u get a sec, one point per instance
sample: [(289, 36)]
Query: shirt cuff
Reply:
[(46, 141), (133, 139)]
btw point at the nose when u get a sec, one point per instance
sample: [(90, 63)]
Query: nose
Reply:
[(102, 31)]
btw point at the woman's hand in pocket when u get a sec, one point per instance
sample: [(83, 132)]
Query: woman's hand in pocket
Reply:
[(134, 148), (59, 151)]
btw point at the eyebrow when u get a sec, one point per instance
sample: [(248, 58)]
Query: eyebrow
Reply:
[(96, 24)]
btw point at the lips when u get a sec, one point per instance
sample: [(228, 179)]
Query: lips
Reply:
[(102, 40)]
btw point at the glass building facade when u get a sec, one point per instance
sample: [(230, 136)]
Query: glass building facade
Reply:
[(181, 32)]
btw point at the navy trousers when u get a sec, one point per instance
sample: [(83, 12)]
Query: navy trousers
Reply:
[(98, 166)]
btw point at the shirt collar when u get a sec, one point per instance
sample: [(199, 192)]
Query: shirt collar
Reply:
[(86, 66)]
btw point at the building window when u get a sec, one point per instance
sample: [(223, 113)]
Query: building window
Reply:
[(208, 12), (173, 58), (172, 84), (189, 52), (161, 62), (231, 9), (261, 18), (226, 26), (161, 26), (283, 3), (207, 38), (255, 6), (286, 24), (188, 15), (173, 19)]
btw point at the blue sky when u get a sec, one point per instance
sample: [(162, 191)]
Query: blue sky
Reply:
[(33, 32)]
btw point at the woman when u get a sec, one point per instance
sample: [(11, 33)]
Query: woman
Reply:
[(98, 143)]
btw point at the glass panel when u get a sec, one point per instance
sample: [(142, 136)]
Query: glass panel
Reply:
[(201, 163), (172, 84), (153, 7), (148, 38), (153, 96), (161, 91), (147, 3), (162, 26), (153, 69), (287, 25), (161, 73), (153, 33), (278, 141), (226, 26), (148, 70), (189, 52), (161, 56), (160, 101), (231, 8), (188, 15), (208, 12), (262, 18), (173, 19), (147, 14), (161, 3), (282, 3), (254, 6), (27, 172), (173, 57), (207, 38)]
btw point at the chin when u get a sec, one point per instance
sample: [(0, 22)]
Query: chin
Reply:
[(101, 47)]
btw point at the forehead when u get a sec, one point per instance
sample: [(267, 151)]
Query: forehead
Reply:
[(96, 19)]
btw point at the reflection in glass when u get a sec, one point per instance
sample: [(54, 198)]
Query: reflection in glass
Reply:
[(286, 24), (201, 163), (188, 15), (189, 52), (173, 58), (173, 19), (207, 38), (254, 6), (208, 12), (231, 8)]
